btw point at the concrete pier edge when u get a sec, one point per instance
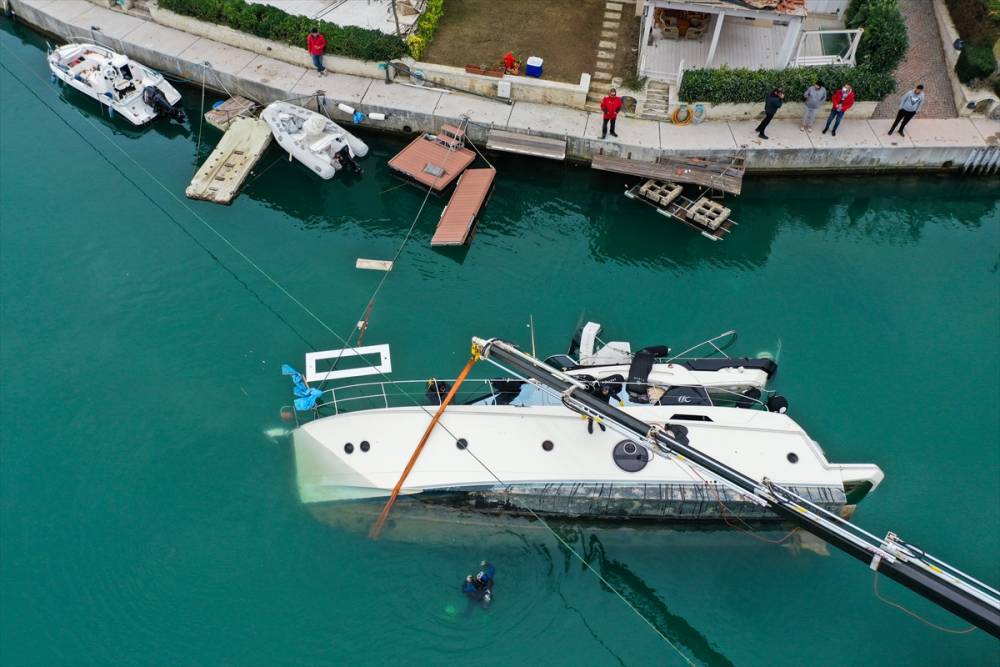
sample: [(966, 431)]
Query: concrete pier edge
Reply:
[(862, 146)]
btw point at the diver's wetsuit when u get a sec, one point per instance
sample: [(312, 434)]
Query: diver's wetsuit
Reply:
[(480, 587)]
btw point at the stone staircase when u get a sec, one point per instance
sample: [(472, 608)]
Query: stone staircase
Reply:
[(604, 79), (656, 105), (140, 9)]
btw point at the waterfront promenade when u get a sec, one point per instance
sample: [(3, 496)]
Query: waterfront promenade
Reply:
[(861, 145)]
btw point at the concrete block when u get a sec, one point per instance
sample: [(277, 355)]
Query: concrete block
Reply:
[(612, 16), (547, 119), (272, 73), (113, 25), (397, 98), (988, 129), (606, 55), (613, 6), (631, 131), (607, 44), (784, 134), (151, 37), (336, 87), (944, 133), (223, 59), (850, 134), (610, 25), (880, 127), (225, 64), (693, 138), (454, 106)]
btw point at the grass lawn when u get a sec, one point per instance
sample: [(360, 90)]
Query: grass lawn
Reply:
[(479, 32)]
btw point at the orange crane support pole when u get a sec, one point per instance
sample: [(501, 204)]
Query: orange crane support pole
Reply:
[(377, 528)]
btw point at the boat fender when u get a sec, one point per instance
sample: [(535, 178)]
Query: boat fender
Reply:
[(346, 109), (777, 403), (376, 115)]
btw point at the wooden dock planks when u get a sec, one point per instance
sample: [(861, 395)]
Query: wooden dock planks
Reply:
[(423, 151), (220, 178), (725, 175), (526, 144), (458, 220)]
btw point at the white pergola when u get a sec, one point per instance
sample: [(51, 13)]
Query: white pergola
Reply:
[(755, 38)]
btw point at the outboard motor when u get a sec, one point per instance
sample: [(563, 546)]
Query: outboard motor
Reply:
[(154, 97), (346, 157)]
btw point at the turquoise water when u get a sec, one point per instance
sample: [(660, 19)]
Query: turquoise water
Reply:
[(148, 519)]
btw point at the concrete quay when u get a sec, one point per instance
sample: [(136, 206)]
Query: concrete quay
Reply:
[(861, 145)]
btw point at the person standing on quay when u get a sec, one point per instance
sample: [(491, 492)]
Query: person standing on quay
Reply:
[(316, 44), (843, 100), (610, 105), (771, 106), (908, 108), (814, 97)]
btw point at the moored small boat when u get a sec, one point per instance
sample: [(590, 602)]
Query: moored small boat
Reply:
[(313, 139), (129, 88)]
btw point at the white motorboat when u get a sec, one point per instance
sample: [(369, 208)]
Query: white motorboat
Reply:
[(131, 89), (531, 454), (313, 139)]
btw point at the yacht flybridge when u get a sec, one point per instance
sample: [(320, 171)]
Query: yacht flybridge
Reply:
[(521, 446)]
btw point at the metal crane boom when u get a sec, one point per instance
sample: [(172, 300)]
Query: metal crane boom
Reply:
[(906, 564)]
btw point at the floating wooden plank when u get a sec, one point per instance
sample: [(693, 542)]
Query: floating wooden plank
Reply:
[(725, 175), (220, 178), (235, 107), (431, 163), (458, 220), (382, 368), (374, 264), (525, 144)]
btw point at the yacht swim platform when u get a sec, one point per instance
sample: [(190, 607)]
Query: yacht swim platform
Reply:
[(434, 160), (704, 215), (459, 217)]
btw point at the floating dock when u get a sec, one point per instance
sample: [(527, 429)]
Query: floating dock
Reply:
[(458, 220), (222, 115), (723, 174), (525, 144), (434, 161), (225, 170)]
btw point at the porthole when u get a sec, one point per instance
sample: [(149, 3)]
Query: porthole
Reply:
[(793, 457), (461, 443), (547, 445), (365, 446), (348, 448)]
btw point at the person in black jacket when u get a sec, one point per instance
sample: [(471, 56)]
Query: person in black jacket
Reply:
[(771, 106)]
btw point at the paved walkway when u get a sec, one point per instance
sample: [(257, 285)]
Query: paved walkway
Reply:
[(924, 63), (860, 145)]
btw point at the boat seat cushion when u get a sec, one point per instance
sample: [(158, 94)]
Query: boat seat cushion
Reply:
[(322, 143)]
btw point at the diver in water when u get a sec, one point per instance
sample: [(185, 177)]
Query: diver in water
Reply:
[(479, 587)]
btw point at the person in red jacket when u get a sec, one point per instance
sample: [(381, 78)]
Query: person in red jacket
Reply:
[(316, 44), (843, 100), (610, 105), (510, 62)]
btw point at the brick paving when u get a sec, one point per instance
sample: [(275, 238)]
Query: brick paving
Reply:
[(924, 63)]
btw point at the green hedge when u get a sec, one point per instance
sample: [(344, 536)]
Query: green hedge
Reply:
[(884, 41), (733, 86), (976, 61), (272, 23), (420, 39)]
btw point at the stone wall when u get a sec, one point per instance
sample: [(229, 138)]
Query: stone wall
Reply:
[(984, 102)]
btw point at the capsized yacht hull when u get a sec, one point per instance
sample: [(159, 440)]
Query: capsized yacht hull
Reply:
[(544, 460)]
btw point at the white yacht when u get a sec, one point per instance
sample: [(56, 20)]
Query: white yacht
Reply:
[(131, 89), (514, 445), (313, 139)]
